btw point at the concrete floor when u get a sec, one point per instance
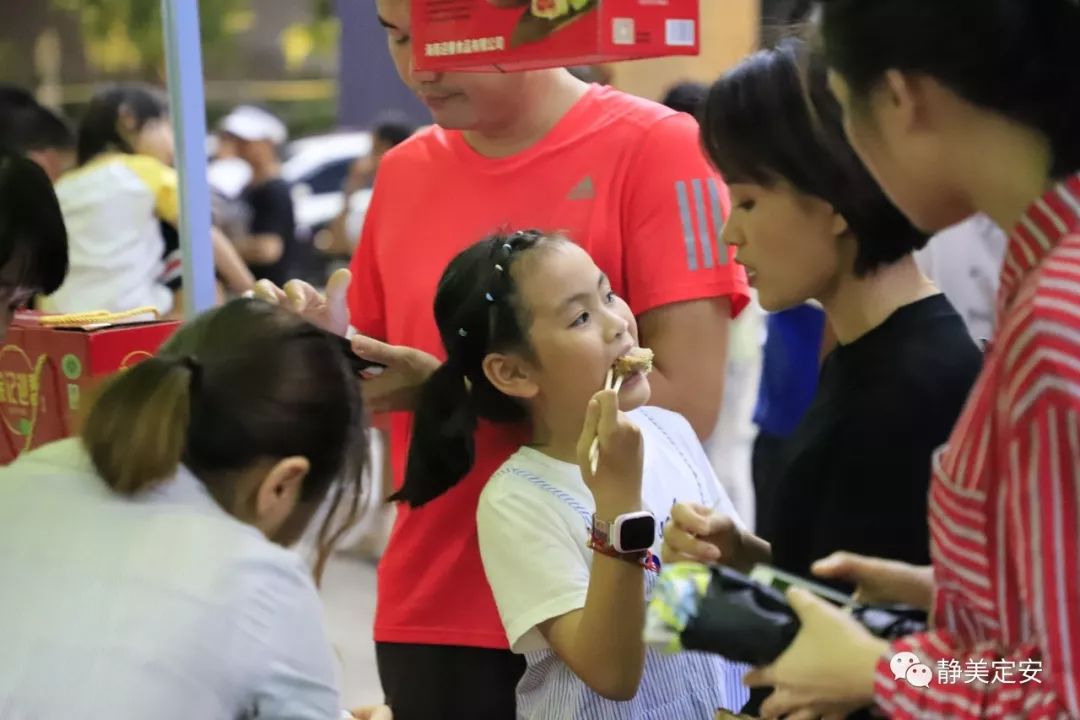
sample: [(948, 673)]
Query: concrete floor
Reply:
[(349, 597)]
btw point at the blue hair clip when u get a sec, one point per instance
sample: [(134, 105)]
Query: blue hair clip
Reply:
[(508, 248), (489, 298)]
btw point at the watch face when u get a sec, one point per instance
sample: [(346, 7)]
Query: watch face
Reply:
[(636, 534)]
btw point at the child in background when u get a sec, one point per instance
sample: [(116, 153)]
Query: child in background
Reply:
[(115, 204), (531, 329)]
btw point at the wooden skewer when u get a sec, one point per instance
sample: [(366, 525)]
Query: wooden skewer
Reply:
[(594, 449)]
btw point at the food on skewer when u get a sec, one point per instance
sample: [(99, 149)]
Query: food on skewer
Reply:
[(638, 360)]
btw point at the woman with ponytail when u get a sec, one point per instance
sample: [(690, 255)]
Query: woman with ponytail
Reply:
[(960, 107), (144, 566), (531, 328)]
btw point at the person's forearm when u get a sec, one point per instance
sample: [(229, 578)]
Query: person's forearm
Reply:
[(177, 311), (260, 249), (229, 265), (754, 551), (609, 652), (339, 234)]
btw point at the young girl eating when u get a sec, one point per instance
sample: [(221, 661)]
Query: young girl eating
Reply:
[(532, 330)]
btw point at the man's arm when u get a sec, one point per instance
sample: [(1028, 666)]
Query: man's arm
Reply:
[(229, 264), (690, 341), (261, 249), (682, 281)]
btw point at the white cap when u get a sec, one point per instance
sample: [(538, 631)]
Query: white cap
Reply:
[(253, 124)]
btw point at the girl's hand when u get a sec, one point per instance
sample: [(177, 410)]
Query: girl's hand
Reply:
[(616, 486), (879, 581), (827, 670)]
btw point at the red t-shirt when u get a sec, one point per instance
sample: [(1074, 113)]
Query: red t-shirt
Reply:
[(624, 178)]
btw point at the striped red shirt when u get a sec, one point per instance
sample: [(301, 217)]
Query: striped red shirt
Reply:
[(1005, 502)]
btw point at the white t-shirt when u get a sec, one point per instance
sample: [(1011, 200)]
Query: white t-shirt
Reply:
[(964, 261), (112, 208), (533, 521), (161, 607)]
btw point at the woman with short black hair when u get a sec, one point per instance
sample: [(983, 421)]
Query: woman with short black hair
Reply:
[(960, 107), (810, 223)]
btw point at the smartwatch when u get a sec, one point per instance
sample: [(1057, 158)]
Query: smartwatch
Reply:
[(628, 534)]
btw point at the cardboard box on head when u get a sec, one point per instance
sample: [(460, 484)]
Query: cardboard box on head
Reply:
[(509, 35), (46, 373)]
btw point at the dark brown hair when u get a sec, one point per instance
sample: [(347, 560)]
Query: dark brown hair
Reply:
[(1014, 57), (244, 383), (478, 311), (98, 132), (773, 118), (26, 125), (33, 239)]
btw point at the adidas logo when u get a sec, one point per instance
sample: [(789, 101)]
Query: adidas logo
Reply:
[(584, 190)]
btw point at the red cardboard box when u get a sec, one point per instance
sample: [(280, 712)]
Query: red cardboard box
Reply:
[(502, 35), (45, 373)]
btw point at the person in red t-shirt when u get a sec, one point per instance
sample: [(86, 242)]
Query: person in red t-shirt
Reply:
[(623, 177)]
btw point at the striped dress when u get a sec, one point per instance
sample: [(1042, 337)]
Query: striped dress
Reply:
[(687, 686), (1005, 502), (533, 521)]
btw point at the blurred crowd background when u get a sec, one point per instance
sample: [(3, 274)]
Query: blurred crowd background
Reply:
[(317, 66)]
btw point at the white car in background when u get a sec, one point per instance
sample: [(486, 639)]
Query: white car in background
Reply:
[(316, 167)]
